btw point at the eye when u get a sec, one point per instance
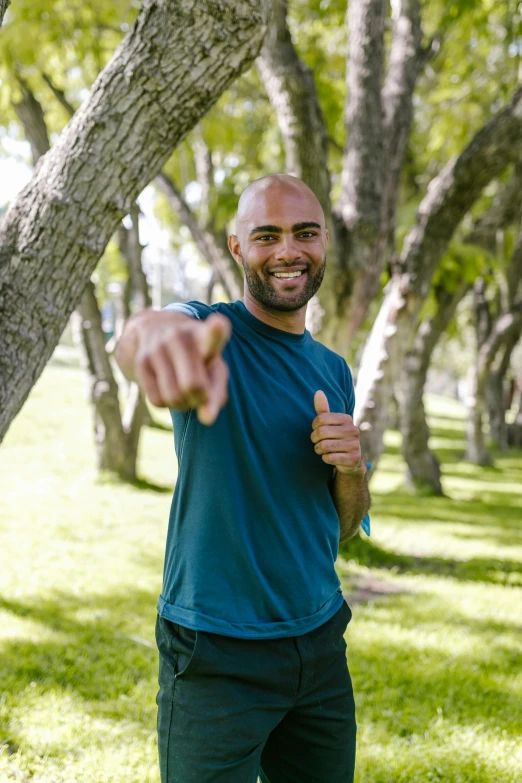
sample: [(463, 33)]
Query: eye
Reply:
[(265, 237), (307, 234)]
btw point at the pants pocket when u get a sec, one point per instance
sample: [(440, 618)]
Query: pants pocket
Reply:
[(177, 644)]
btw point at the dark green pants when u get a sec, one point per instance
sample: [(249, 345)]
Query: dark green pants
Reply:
[(232, 709)]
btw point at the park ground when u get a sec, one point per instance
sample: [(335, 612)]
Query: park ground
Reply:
[(435, 644)]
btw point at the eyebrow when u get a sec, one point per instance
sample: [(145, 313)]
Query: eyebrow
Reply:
[(278, 230)]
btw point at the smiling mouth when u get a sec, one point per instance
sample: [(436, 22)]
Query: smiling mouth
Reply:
[(288, 275)]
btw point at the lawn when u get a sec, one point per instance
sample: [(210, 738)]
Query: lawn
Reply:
[(435, 644)]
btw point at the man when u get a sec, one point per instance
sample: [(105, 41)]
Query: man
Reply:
[(253, 674)]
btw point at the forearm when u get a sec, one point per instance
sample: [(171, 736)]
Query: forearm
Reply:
[(351, 496)]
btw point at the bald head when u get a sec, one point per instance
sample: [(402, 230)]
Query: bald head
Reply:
[(272, 193), (280, 232)]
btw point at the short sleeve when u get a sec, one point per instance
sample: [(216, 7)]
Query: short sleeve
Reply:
[(349, 390), (193, 309)]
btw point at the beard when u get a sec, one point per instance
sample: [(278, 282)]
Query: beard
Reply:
[(262, 289)]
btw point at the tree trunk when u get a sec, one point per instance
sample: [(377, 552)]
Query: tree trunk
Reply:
[(515, 429), (169, 70), (493, 337), (495, 399), (3, 9), (406, 60), (476, 446), (423, 469), (131, 249), (494, 396), (109, 436), (116, 437), (449, 197)]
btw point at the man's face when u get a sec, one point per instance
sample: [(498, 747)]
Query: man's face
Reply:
[(281, 233)]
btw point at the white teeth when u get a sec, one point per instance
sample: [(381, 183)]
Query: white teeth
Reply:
[(287, 274)]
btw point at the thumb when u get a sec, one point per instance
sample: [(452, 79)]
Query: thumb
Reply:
[(214, 335), (321, 402)]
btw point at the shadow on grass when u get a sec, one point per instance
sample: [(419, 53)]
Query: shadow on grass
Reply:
[(101, 659), (495, 509), (476, 569), (141, 483), (154, 424)]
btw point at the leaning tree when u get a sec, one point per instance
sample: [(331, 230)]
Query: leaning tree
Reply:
[(168, 71)]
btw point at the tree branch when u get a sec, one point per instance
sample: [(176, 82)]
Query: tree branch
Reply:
[(59, 95), (453, 192), (505, 208), (168, 71), (505, 327), (31, 116), (3, 9), (448, 198), (206, 244)]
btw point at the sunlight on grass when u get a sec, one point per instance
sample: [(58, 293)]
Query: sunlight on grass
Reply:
[(437, 665)]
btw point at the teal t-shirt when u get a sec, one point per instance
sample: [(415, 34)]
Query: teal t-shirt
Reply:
[(253, 530)]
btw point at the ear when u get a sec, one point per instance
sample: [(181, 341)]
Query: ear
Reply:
[(235, 249)]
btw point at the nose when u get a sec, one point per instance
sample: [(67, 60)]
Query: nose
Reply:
[(287, 249)]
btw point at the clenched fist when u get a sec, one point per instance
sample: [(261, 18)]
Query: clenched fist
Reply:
[(336, 438), (177, 360)]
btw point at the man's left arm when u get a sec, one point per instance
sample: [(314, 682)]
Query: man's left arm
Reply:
[(351, 496), (336, 439)]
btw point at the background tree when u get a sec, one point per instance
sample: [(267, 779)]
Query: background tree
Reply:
[(116, 434), (58, 227)]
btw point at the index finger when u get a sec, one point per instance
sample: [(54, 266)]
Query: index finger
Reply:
[(213, 336)]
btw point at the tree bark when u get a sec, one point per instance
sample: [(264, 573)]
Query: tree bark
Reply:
[(168, 71), (449, 197), (3, 9), (423, 469)]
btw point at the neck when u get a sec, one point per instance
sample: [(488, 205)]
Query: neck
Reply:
[(293, 321)]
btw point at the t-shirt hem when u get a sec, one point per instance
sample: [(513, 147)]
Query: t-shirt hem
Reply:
[(274, 630)]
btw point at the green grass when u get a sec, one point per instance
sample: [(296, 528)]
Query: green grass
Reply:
[(437, 664)]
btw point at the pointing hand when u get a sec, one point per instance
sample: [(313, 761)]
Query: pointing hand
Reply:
[(179, 362)]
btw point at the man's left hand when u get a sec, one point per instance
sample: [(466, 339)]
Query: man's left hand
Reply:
[(336, 438)]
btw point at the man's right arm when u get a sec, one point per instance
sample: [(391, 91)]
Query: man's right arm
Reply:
[(177, 360)]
